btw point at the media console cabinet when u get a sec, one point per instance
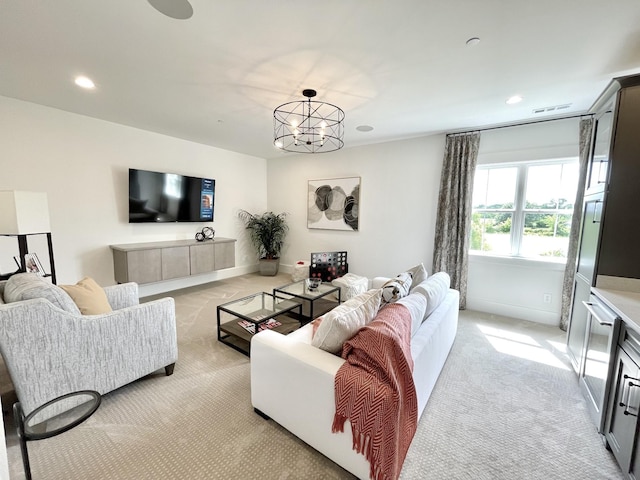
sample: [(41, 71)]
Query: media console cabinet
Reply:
[(156, 261)]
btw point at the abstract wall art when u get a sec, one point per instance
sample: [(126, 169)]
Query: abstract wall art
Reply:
[(334, 204)]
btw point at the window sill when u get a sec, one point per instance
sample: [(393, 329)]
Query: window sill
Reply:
[(555, 265)]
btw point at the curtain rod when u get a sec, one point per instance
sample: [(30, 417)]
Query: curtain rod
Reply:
[(519, 124)]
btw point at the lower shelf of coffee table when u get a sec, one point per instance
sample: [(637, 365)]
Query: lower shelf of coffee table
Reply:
[(238, 338)]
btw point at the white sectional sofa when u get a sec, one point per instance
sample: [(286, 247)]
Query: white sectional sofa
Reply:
[(292, 382)]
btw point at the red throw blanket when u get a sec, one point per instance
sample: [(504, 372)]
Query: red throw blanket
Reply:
[(374, 390)]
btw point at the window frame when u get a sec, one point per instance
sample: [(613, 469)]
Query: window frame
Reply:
[(519, 210)]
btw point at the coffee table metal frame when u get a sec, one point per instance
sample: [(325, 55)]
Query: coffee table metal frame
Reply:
[(301, 291), (257, 309)]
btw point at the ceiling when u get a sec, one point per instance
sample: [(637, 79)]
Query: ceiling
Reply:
[(402, 67)]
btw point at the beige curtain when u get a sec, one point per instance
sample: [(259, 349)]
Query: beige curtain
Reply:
[(453, 222), (586, 128)]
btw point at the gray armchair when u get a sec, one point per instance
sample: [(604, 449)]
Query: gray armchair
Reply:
[(50, 349)]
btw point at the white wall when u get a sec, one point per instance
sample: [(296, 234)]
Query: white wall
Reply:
[(399, 194), (517, 287), (82, 163)]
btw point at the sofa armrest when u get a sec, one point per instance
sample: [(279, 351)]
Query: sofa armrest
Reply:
[(122, 295), (293, 383), (286, 372), (49, 352)]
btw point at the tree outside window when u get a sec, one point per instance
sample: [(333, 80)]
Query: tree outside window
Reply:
[(524, 209)]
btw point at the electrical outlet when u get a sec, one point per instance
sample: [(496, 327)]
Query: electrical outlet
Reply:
[(546, 298)]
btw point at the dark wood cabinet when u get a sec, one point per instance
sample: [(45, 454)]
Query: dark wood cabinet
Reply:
[(619, 255), (624, 405), (610, 225)]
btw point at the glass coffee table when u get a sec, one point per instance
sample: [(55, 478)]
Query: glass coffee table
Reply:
[(239, 320), (315, 301)]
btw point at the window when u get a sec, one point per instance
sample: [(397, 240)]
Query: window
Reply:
[(524, 209)]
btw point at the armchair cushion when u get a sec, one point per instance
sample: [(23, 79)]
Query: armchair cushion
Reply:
[(28, 286), (88, 296)]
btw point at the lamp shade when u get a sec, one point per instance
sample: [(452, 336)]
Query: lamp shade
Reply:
[(22, 213)]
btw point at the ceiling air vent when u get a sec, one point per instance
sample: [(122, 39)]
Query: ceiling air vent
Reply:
[(553, 108)]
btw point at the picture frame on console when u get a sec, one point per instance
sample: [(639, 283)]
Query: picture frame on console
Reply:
[(33, 265)]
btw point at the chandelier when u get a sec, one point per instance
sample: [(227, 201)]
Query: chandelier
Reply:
[(308, 126)]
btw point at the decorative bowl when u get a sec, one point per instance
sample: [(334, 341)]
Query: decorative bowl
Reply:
[(313, 283)]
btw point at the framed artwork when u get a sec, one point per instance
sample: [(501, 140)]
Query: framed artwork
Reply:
[(33, 265), (334, 204)]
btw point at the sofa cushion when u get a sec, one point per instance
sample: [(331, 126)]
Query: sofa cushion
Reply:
[(350, 285), (28, 286), (416, 303), (434, 289), (342, 323), (418, 275), (88, 296), (396, 288)]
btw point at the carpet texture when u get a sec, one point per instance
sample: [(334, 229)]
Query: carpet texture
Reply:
[(507, 406)]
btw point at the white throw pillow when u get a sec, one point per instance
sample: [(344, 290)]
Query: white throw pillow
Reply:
[(396, 288), (434, 289), (350, 285), (416, 304), (342, 323)]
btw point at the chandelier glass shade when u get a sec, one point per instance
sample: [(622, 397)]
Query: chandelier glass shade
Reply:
[(308, 126)]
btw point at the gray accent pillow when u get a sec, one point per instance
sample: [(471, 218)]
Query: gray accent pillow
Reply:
[(418, 275), (27, 286)]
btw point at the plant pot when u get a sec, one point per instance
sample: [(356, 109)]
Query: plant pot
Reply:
[(269, 267)]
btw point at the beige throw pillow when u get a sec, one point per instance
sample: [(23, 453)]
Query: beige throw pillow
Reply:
[(88, 296), (342, 323)]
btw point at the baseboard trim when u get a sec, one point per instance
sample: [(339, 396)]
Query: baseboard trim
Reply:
[(515, 311)]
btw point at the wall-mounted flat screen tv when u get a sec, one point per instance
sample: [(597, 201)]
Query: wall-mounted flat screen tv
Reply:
[(168, 197)]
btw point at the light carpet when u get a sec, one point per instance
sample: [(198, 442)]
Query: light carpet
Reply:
[(507, 406)]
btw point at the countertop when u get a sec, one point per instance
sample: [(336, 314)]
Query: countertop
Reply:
[(625, 304)]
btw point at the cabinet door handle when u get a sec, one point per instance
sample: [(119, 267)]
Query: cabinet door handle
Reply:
[(594, 314), (630, 385), (597, 211)]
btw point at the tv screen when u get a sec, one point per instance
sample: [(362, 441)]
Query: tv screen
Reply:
[(169, 197)]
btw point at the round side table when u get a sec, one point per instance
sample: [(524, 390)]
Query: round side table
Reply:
[(53, 418)]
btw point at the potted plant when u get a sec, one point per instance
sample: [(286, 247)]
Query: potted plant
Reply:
[(267, 232)]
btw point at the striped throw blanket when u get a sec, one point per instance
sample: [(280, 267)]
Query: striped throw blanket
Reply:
[(374, 390)]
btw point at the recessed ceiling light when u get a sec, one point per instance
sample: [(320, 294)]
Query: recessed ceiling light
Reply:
[(513, 100), (84, 82), (364, 128), (473, 41)]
